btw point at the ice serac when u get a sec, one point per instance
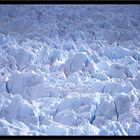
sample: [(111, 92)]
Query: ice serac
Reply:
[(106, 107), (118, 52), (23, 58), (23, 111), (117, 87), (55, 55), (40, 91), (123, 103), (79, 62), (19, 81), (119, 71), (14, 128), (76, 63)]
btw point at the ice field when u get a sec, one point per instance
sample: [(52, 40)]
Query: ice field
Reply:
[(70, 69)]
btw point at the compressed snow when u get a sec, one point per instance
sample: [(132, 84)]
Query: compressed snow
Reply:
[(65, 73)]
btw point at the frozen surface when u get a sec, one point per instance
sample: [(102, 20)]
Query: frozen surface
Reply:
[(69, 70)]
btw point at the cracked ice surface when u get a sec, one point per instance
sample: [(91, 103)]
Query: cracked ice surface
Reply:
[(69, 70)]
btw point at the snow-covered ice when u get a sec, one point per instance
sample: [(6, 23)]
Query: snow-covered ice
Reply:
[(69, 70)]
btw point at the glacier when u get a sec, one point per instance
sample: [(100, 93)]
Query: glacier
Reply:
[(70, 70)]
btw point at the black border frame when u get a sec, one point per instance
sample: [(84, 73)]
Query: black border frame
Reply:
[(75, 2), (69, 1)]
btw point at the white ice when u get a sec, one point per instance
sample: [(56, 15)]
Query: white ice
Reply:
[(69, 70)]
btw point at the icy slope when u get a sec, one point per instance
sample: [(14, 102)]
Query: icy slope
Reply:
[(69, 70)]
